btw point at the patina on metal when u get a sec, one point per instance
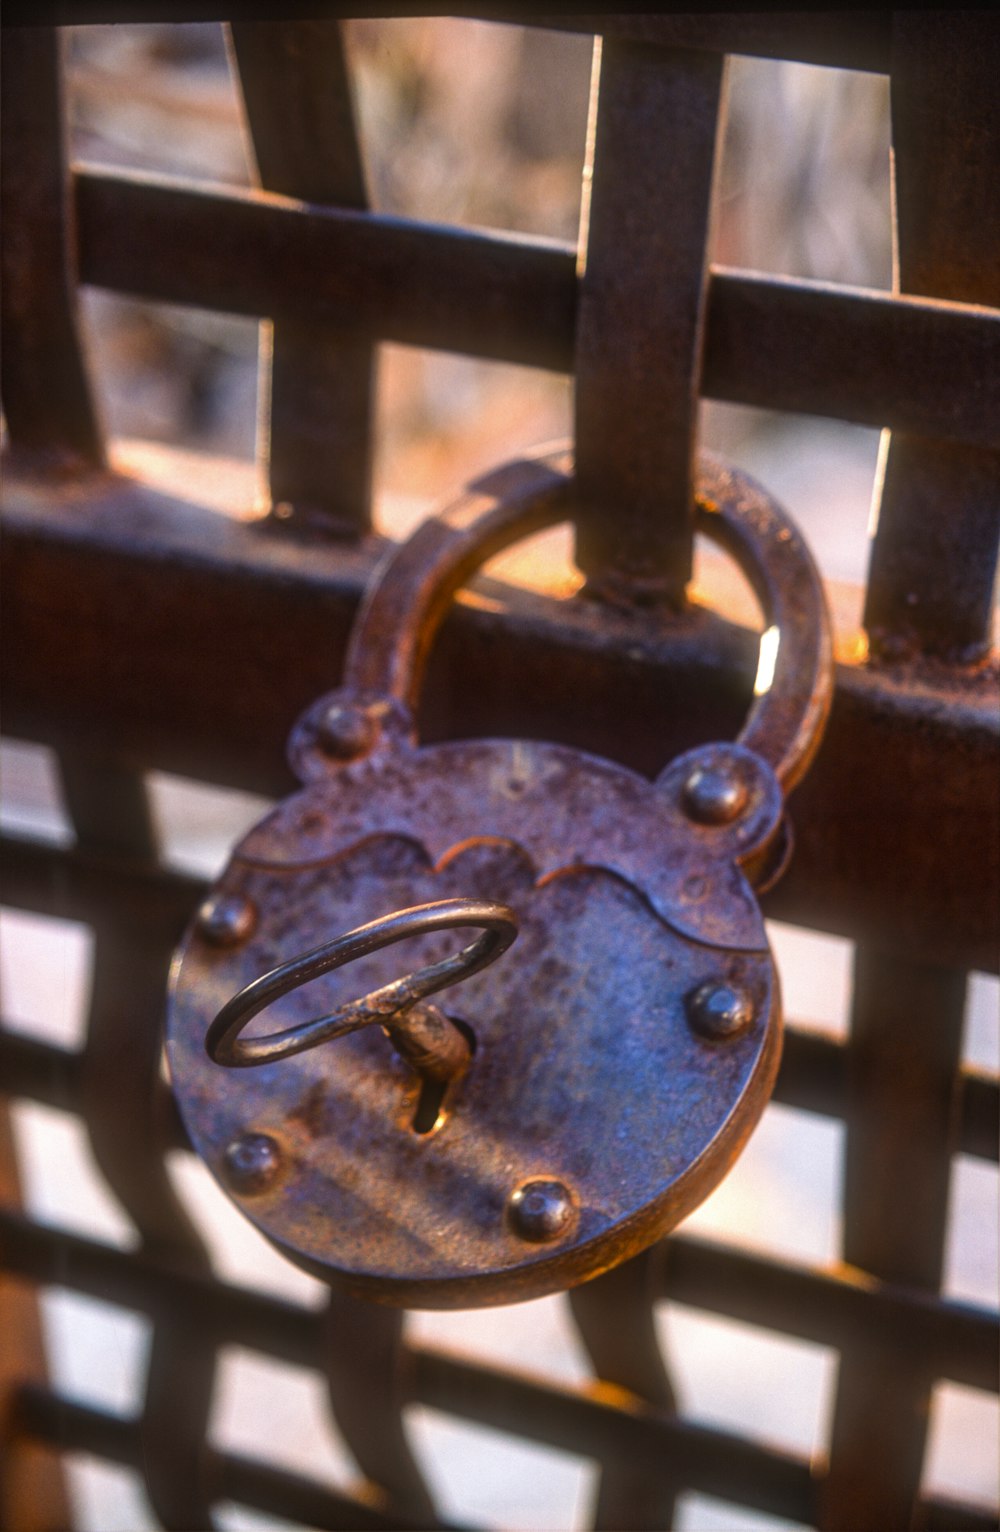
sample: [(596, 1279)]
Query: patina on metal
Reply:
[(100, 667), (567, 1108)]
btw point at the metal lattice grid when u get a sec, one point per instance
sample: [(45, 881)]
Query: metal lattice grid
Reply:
[(142, 636)]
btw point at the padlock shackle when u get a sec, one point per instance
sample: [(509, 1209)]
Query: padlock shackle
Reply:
[(786, 721), (415, 585), (414, 588)]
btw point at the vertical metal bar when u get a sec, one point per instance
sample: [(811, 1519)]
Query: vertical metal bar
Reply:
[(119, 1082), (368, 1389), (32, 1487), (46, 395), (108, 804), (614, 1314), (297, 94), (655, 129), (902, 1126), (934, 556)]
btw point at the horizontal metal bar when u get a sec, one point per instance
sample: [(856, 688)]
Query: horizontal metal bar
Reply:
[(500, 295), (54, 878), (912, 364), (939, 1515), (813, 1077), (958, 1340), (829, 1306), (94, 579), (39, 1071), (852, 354), (979, 1134), (45, 1416), (569, 1419), (230, 1315), (599, 1429), (838, 39), (833, 1306), (591, 1425)]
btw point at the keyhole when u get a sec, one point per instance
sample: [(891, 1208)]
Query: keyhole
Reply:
[(430, 1111)]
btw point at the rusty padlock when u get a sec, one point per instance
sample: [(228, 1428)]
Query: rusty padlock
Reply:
[(574, 1097)]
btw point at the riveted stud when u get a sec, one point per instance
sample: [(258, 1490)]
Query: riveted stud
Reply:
[(251, 1163), (541, 1211), (226, 920), (714, 795), (719, 1011), (346, 731)]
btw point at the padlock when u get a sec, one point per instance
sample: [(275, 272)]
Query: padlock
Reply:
[(597, 1056)]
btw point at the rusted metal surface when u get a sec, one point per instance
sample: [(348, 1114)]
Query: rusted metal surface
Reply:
[(404, 607), (420, 1218), (934, 556), (336, 1159), (562, 808), (76, 566), (640, 316), (773, 342), (95, 575), (48, 406), (58, 881)]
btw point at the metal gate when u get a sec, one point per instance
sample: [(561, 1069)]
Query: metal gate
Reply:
[(141, 634)]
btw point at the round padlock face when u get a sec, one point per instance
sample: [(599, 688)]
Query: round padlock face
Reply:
[(605, 1097)]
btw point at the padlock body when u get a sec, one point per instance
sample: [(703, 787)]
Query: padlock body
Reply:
[(587, 1070)]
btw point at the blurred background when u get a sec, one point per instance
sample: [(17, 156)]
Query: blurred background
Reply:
[(474, 123)]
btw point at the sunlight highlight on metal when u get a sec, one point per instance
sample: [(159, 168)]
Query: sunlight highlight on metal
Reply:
[(768, 658)]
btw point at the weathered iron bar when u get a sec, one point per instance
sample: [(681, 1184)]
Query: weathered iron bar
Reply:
[(823, 1305), (839, 39), (46, 1416), (97, 578), (297, 100), (643, 251), (763, 1479), (809, 347)]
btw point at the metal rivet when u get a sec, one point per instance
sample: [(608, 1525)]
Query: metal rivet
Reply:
[(720, 1012), (225, 920), (346, 732), (713, 795), (541, 1211), (251, 1163)]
